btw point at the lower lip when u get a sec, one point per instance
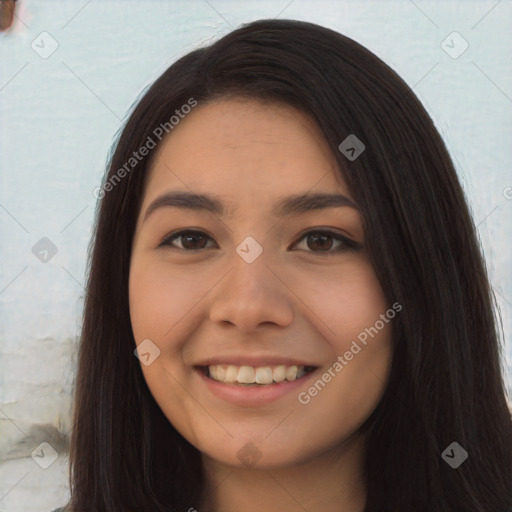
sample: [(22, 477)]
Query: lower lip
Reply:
[(251, 396)]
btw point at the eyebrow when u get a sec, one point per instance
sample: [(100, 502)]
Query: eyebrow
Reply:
[(292, 205)]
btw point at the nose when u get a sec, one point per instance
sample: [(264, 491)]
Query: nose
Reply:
[(252, 295)]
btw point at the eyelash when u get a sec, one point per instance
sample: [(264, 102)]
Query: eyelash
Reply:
[(347, 243)]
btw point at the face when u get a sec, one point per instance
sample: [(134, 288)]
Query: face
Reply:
[(255, 284)]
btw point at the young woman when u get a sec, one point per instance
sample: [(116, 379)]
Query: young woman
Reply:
[(287, 306)]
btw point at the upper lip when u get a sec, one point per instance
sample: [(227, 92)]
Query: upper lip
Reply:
[(254, 361)]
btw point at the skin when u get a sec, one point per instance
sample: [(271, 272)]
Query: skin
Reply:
[(298, 298)]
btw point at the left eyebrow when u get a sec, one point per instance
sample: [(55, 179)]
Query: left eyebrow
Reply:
[(292, 205), (303, 203)]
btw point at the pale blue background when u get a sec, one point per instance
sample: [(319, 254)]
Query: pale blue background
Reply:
[(58, 117)]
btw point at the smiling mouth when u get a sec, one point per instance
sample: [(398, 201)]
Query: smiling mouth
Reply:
[(255, 376)]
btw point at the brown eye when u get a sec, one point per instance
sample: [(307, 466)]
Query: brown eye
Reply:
[(324, 241), (189, 240), (320, 241)]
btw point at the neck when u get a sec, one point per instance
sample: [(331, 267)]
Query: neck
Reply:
[(330, 482)]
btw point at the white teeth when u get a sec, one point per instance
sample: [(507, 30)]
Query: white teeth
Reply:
[(263, 375), (231, 373), (246, 375), (280, 373), (255, 375), (220, 373), (300, 372), (291, 373)]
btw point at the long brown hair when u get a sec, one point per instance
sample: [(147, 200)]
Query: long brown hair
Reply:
[(446, 383)]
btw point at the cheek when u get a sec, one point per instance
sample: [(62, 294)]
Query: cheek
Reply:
[(350, 306), (350, 311), (162, 310), (345, 300), (163, 302)]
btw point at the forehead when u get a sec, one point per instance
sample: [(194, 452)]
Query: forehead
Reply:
[(245, 151)]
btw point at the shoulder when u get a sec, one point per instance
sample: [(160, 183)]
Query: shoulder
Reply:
[(58, 510)]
